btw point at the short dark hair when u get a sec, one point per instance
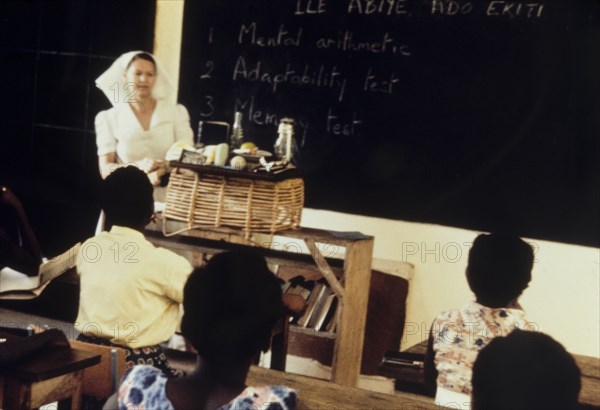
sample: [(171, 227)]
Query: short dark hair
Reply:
[(525, 370), (499, 268), (127, 198), (142, 56), (230, 307)]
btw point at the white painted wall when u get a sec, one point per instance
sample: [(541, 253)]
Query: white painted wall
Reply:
[(563, 297)]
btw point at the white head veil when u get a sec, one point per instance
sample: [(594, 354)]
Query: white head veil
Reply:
[(113, 85)]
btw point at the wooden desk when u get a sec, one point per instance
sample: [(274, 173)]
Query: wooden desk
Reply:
[(315, 393), (48, 375), (589, 396), (351, 286), (321, 394), (590, 380)]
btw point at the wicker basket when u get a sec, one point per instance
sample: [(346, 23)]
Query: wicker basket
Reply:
[(210, 199)]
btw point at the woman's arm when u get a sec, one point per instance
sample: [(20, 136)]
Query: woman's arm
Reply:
[(108, 163), (106, 142), (183, 130)]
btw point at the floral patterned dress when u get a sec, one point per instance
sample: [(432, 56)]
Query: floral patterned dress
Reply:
[(144, 388), (459, 335)]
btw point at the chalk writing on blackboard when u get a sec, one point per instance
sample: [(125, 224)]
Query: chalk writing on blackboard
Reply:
[(336, 75)]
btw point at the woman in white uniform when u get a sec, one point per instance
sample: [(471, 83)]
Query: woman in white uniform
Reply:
[(141, 126)]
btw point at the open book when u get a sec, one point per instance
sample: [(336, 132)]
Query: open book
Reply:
[(11, 280)]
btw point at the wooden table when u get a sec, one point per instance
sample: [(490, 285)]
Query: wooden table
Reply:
[(589, 396), (321, 394), (590, 380), (349, 277), (48, 375), (315, 393)]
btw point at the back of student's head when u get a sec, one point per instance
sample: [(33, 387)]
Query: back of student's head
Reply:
[(525, 370), (127, 198), (499, 268), (231, 305)]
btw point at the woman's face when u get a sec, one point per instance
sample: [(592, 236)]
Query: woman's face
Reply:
[(142, 74)]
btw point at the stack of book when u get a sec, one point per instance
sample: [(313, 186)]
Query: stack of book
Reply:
[(322, 303)]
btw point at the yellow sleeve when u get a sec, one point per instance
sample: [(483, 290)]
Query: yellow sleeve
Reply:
[(177, 272)]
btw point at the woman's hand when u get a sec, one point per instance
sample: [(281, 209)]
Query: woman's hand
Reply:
[(155, 176), (149, 165), (294, 304), (108, 163)]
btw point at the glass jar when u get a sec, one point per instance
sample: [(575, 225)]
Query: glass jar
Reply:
[(237, 133), (285, 148)]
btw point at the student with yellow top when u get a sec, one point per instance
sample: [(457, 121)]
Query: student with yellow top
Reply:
[(131, 290)]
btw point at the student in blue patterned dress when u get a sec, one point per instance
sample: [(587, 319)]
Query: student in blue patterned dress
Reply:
[(498, 270), (231, 306)]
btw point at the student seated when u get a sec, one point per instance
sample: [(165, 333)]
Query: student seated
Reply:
[(525, 370), (131, 291), (19, 247), (499, 269), (231, 306)]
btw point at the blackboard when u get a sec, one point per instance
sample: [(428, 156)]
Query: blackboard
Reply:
[(482, 115)]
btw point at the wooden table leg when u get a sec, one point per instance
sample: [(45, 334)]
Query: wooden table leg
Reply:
[(279, 346), (353, 318), (65, 389)]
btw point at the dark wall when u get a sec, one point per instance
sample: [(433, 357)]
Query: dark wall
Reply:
[(50, 54), (483, 115)]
